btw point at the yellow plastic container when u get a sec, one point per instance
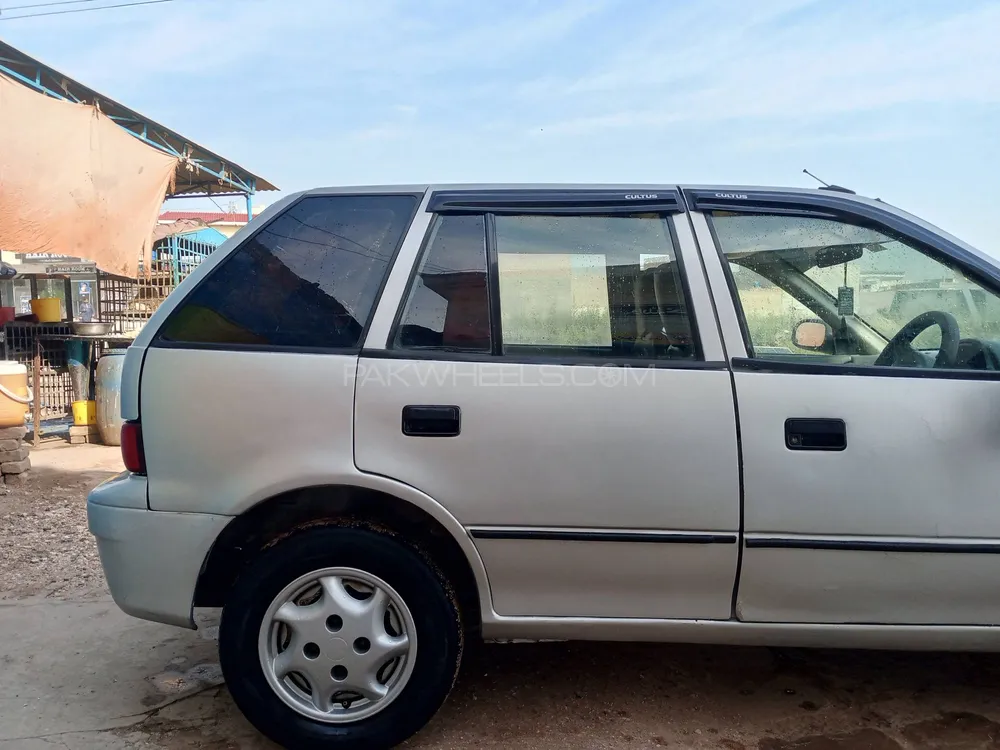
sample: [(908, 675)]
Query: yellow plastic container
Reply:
[(84, 413), (47, 309), (14, 393)]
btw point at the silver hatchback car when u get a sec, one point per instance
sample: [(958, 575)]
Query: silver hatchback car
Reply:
[(382, 421)]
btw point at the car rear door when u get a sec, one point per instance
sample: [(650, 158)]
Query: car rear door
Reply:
[(547, 366), (247, 380), (869, 490)]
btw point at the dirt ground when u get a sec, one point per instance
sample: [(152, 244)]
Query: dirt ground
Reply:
[(44, 543), (77, 674)]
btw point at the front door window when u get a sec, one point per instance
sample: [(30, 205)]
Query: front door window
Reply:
[(810, 286)]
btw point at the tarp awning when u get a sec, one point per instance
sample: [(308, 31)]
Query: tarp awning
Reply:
[(74, 183)]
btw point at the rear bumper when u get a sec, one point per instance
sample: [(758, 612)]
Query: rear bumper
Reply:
[(151, 559)]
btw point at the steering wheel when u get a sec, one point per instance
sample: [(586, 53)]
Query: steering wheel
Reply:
[(902, 342)]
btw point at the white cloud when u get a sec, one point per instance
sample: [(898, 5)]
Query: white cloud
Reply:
[(326, 91), (643, 67), (835, 65), (386, 38)]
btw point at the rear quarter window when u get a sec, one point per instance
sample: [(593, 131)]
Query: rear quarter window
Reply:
[(309, 279)]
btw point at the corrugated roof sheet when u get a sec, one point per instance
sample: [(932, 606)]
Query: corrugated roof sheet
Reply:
[(190, 176), (208, 217)]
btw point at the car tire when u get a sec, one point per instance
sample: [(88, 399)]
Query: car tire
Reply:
[(278, 705)]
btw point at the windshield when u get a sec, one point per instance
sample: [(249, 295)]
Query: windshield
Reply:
[(893, 284)]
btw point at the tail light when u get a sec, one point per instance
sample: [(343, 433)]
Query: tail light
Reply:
[(132, 451)]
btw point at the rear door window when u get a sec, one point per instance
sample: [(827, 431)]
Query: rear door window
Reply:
[(448, 306), (307, 280), (592, 286)]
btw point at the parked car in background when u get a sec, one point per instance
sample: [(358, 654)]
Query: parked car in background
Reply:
[(975, 308), (381, 422)]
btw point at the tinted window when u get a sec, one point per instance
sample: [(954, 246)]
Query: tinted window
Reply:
[(600, 285), (308, 279), (448, 305)]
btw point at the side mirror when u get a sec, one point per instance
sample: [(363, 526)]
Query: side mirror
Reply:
[(813, 335)]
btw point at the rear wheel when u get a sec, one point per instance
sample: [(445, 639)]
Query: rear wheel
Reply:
[(340, 638)]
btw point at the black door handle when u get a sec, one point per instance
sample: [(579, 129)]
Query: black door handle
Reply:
[(815, 434), (432, 421)]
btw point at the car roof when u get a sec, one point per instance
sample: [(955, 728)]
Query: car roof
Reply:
[(827, 194), (473, 186)]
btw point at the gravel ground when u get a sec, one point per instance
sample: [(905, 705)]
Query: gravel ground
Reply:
[(555, 696), (45, 547)]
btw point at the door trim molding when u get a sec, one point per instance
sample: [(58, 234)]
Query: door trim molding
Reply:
[(969, 547), (552, 360), (930, 637), (600, 535), (783, 367)]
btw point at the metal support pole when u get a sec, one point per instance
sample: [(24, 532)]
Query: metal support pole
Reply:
[(36, 401), (96, 297), (68, 294), (175, 261), (249, 207)]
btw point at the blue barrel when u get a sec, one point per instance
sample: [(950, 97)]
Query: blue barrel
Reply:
[(108, 395)]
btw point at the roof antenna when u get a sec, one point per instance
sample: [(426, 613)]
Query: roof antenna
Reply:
[(828, 186), (821, 182)]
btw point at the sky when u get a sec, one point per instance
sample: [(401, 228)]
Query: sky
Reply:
[(898, 99)]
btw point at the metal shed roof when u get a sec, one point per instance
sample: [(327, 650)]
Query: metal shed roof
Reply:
[(199, 171)]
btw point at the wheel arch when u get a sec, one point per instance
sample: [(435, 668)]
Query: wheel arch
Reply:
[(383, 505)]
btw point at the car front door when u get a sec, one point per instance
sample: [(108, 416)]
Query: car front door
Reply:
[(869, 451), (543, 367)]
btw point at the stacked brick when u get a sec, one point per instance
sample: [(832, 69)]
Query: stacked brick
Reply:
[(14, 461)]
